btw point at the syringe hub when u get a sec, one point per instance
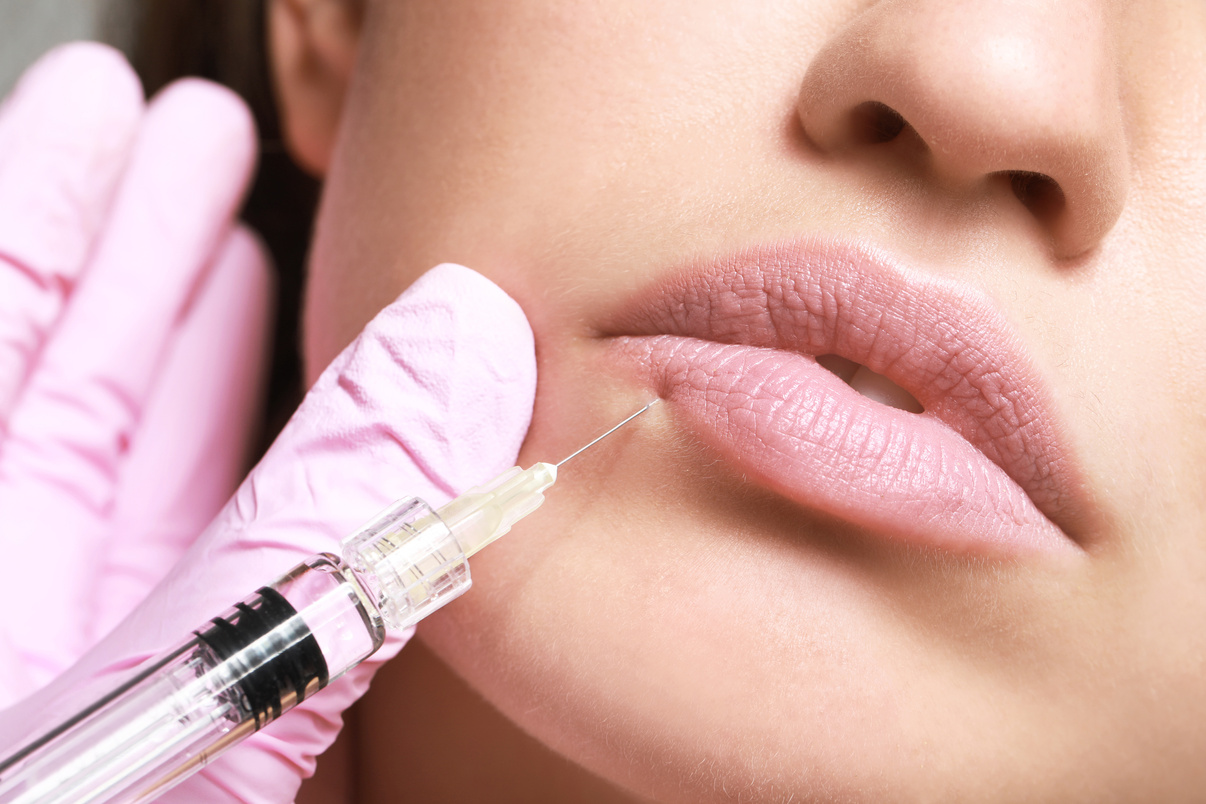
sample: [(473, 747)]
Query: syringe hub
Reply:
[(482, 514)]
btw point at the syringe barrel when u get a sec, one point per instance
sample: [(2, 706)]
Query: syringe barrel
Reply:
[(231, 677)]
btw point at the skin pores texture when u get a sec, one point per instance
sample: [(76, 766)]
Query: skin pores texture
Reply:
[(676, 627)]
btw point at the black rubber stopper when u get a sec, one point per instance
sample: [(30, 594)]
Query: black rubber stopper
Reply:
[(291, 658)]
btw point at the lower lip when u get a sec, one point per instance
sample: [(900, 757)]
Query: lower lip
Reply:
[(792, 426)]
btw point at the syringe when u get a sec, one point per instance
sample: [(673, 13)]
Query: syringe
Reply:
[(282, 644)]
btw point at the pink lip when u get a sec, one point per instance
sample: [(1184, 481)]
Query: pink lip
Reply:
[(732, 347)]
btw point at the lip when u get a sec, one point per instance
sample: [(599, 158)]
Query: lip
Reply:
[(731, 344)]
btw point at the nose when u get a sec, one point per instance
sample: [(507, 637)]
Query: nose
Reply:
[(1017, 98)]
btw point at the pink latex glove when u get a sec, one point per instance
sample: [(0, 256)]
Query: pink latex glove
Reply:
[(133, 325), (434, 396)]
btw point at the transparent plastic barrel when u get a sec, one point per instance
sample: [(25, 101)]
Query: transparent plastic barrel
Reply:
[(236, 674)]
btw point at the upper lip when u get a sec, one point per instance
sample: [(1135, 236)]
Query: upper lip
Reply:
[(943, 342)]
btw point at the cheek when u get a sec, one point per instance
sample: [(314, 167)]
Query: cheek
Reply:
[(1127, 345)]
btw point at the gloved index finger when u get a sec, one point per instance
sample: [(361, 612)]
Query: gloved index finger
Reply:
[(64, 137)]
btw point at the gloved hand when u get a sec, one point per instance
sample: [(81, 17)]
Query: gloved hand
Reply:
[(133, 326), (434, 396)]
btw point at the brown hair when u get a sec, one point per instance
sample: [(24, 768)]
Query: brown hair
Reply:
[(225, 41)]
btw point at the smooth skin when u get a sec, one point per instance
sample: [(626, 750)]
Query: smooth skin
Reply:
[(664, 624)]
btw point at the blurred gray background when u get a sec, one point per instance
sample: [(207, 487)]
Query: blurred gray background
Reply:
[(29, 28)]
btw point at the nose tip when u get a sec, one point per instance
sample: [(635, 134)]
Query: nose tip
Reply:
[(1016, 95)]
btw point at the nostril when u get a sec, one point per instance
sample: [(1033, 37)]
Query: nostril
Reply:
[(1038, 192), (874, 122)]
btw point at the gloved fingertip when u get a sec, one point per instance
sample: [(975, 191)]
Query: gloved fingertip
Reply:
[(65, 135), (210, 123), (489, 305), (451, 366), (83, 96), (490, 398), (83, 75), (245, 259)]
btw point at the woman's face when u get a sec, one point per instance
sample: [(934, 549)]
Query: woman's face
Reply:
[(779, 585)]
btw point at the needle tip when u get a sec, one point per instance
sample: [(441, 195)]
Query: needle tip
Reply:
[(632, 416)]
